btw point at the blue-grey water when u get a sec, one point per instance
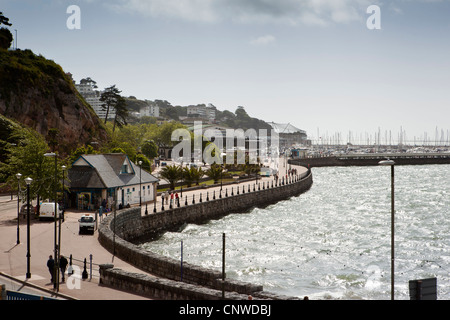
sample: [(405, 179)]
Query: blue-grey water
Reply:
[(333, 242)]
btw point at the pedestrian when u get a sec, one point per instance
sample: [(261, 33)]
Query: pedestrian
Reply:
[(171, 199), (100, 213), (162, 197), (51, 266), (62, 265), (167, 197), (177, 199)]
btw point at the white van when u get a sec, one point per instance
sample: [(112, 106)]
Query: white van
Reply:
[(47, 210)]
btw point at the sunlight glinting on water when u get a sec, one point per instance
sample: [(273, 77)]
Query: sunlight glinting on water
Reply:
[(333, 242)]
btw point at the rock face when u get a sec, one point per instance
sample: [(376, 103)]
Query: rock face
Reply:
[(36, 92)]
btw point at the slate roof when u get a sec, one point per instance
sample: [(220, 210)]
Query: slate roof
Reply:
[(102, 171)]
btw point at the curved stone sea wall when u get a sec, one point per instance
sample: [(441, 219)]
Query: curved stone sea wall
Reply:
[(121, 236)]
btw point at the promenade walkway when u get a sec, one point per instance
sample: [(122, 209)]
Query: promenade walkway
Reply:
[(13, 261)]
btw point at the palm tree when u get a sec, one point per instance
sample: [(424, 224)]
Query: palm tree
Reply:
[(192, 175), (172, 174), (214, 172)]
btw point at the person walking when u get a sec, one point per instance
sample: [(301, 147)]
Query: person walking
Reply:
[(62, 265), (51, 266)]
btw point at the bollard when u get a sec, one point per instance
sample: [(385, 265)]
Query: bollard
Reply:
[(70, 269), (90, 266), (84, 275)]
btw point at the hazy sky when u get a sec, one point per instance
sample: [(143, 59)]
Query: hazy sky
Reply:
[(312, 63)]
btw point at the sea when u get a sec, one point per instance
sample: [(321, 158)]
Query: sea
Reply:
[(334, 241)]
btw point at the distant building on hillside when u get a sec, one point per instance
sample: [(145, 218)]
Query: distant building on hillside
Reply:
[(92, 97), (150, 110), (202, 111), (289, 135)]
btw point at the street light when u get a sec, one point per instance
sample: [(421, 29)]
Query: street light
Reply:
[(28, 182), (391, 163), (18, 210), (140, 183), (56, 267)]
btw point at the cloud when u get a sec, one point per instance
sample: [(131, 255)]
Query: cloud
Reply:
[(263, 40), (293, 12)]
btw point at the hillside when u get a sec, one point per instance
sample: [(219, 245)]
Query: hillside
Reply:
[(36, 92)]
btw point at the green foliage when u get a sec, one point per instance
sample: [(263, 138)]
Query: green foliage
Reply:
[(190, 175), (172, 174), (146, 164), (6, 38), (149, 149), (80, 151), (27, 157), (214, 172), (20, 70)]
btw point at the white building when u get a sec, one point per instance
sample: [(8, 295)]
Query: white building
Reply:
[(202, 111), (151, 110), (92, 97)]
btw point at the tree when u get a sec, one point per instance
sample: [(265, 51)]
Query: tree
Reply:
[(4, 20), (191, 175), (172, 174), (146, 164), (5, 35), (214, 172), (149, 149), (89, 81), (121, 113), (110, 98), (27, 157)]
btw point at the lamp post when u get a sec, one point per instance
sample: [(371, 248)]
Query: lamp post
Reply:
[(18, 204), (140, 183), (391, 163), (182, 179), (28, 182), (60, 218), (56, 267)]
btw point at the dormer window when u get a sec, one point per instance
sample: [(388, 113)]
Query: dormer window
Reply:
[(124, 168)]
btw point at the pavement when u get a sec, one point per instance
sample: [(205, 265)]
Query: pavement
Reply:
[(13, 255)]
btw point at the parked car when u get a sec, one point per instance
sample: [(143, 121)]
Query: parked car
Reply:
[(23, 210), (86, 224), (47, 210)]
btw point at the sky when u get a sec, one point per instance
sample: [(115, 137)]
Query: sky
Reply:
[(315, 64)]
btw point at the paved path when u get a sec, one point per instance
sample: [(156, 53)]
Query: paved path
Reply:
[(13, 261)]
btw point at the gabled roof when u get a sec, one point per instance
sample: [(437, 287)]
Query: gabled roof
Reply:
[(105, 171)]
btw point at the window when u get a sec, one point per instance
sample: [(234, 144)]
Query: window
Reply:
[(124, 168)]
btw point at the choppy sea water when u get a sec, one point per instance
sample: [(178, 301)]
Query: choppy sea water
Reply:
[(333, 242)]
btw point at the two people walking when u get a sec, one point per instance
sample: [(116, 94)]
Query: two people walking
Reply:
[(51, 267)]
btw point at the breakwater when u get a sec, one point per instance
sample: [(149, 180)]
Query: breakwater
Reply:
[(372, 159), (122, 233)]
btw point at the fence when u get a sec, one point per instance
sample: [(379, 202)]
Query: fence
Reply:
[(90, 269), (15, 295)]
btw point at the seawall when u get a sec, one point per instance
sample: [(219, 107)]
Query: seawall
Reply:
[(122, 234), (372, 160)]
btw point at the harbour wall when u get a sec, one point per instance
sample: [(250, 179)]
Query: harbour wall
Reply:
[(167, 278), (369, 160)]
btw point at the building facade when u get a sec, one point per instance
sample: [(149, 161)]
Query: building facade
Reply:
[(101, 178), (92, 97)]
